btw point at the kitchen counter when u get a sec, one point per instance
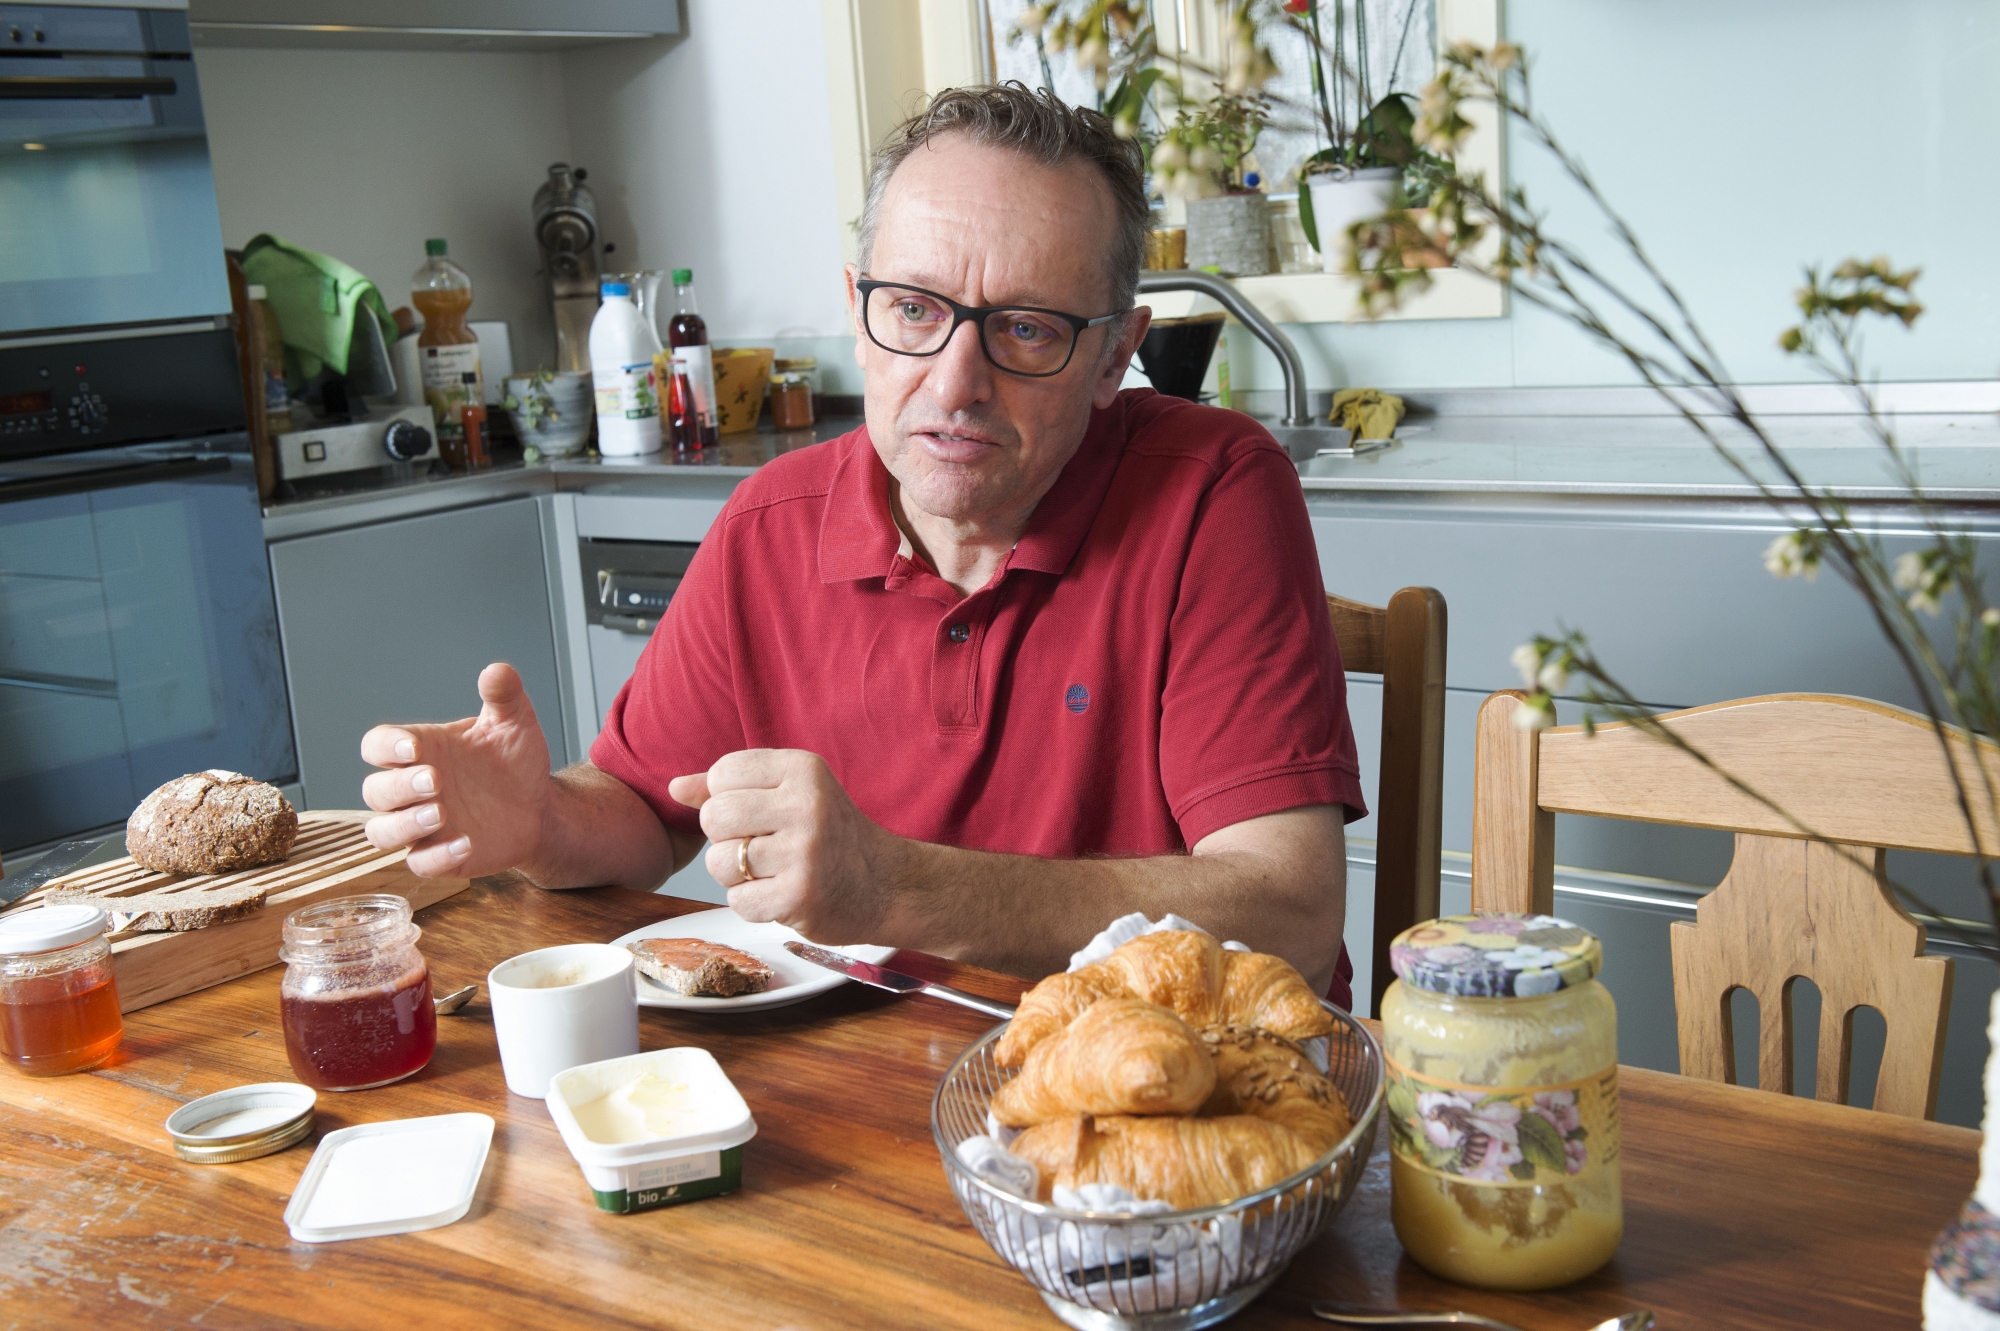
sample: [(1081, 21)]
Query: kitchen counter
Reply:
[(1957, 456), (388, 493)]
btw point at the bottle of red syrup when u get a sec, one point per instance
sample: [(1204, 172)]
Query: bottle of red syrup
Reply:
[(692, 423)]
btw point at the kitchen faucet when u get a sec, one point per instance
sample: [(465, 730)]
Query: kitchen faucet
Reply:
[(1303, 435)]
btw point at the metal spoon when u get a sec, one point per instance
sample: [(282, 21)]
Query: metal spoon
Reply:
[(454, 1000), (1349, 1314)]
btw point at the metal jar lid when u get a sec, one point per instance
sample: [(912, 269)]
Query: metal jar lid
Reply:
[(242, 1122), (1496, 956)]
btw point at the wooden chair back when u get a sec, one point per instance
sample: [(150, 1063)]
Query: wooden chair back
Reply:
[(1863, 775), (1404, 643)]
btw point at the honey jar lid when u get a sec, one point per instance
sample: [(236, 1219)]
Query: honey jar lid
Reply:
[(242, 1123), (56, 925), (1496, 955)]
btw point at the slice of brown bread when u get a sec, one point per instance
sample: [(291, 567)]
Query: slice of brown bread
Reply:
[(698, 968), (211, 822), (173, 911)]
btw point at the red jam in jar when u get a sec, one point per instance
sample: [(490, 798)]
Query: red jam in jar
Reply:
[(58, 999), (356, 999)]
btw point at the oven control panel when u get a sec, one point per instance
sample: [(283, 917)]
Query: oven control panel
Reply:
[(62, 397)]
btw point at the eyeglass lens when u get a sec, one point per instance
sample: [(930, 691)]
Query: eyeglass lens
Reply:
[(917, 323)]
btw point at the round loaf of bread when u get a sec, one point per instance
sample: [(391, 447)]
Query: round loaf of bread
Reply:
[(211, 822)]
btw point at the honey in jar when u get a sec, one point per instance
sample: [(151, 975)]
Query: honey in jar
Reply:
[(1502, 1101), (58, 999)]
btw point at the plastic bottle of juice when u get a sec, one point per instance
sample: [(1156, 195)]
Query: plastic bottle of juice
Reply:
[(623, 347), (687, 336), (447, 348)]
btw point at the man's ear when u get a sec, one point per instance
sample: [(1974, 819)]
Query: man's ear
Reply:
[(1124, 346)]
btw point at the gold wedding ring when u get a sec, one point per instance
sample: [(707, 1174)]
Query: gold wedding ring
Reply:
[(743, 874)]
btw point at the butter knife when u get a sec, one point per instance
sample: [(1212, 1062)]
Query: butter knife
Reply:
[(53, 864), (894, 981)]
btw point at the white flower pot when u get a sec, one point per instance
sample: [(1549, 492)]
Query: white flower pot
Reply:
[(1339, 201), (564, 431), (1231, 232)]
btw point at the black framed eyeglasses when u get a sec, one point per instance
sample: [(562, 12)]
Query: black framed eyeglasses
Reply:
[(1020, 339)]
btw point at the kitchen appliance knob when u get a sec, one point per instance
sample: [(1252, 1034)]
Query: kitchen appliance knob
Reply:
[(89, 412), (405, 440)]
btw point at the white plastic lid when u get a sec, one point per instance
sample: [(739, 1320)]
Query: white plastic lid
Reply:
[(395, 1177), (58, 924)]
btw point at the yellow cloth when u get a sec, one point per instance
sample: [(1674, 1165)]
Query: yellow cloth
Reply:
[(1369, 412)]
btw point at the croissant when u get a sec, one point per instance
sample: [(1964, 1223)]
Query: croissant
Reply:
[(1122, 1056), (1182, 969), (1269, 1077), (1185, 1162)]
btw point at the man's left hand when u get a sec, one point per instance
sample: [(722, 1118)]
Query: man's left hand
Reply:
[(817, 863)]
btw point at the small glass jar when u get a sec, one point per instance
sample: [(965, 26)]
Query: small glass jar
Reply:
[(791, 402), (356, 998), (58, 998), (1502, 1101)]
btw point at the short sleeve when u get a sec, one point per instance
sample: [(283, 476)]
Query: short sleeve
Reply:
[(1254, 712), (678, 714)]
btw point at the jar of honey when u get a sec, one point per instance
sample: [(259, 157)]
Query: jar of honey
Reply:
[(356, 997), (58, 999), (1502, 1101)]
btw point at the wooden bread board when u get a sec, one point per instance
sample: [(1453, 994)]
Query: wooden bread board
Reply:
[(331, 858)]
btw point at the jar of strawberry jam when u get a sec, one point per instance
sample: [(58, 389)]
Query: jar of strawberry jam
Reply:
[(58, 1000), (356, 998)]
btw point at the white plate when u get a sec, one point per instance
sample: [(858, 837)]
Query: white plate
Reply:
[(794, 982), (395, 1177)]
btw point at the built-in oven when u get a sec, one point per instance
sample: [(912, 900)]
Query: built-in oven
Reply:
[(138, 632), (107, 202)]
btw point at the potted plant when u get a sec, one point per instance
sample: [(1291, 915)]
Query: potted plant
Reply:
[(1205, 159), (1373, 162), (551, 410)]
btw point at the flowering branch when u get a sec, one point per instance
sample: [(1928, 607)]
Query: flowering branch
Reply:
[(1503, 237)]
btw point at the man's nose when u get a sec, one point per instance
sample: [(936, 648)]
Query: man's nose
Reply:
[(961, 375)]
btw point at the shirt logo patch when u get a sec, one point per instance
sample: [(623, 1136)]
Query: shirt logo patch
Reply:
[(1077, 699)]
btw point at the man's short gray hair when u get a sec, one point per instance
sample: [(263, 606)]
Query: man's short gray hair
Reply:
[(1045, 129)]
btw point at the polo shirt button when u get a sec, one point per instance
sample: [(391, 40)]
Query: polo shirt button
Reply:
[(959, 633)]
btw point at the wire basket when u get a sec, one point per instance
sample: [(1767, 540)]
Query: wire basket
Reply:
[(1165, 1271)]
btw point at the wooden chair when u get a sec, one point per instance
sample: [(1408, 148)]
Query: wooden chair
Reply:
[(1405, 645), (1865, 775)]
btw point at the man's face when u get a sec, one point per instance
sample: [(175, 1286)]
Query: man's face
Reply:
[(967, 442)]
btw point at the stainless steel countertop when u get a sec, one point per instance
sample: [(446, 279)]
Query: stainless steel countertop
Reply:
[(1613, 456)]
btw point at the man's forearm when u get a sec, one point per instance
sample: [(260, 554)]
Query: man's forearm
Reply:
[(597, 832), (1277, 884)]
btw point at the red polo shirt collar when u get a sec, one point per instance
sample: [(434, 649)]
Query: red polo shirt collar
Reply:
[(858, 538)]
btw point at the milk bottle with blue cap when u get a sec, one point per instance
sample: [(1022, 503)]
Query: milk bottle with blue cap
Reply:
[(622, 347)]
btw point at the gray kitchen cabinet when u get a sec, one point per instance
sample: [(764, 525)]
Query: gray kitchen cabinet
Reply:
[(393, 621)]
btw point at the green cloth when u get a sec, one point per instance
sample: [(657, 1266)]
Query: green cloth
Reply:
[(1369, 412), (316, 298)]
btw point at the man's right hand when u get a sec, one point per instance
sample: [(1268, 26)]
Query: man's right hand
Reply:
[(467, 797)]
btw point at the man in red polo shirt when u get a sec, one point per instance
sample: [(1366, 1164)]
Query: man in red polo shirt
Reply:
[(1022, 655)]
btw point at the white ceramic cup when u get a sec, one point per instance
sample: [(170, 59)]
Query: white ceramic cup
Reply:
[(558, 1007)]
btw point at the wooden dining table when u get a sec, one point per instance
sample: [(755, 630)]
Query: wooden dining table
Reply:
[(1742, 1208)]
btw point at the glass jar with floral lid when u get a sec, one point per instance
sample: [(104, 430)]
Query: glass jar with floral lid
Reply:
[(1502, 1050)]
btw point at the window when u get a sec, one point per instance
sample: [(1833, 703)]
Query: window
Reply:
[(884, 56)]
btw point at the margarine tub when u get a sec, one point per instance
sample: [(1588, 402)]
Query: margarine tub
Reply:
[(653, 1129)]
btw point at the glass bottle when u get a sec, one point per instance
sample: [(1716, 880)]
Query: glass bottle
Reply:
[(58, 997), (1502, 1053), (447, 348), (693, 424), (356, 997)]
